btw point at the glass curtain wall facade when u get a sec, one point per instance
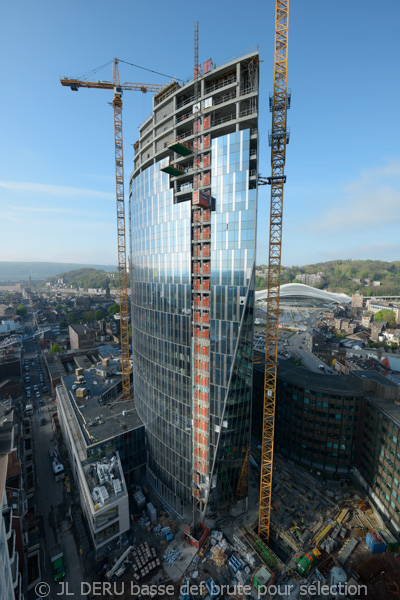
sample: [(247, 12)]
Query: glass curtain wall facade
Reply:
[(161, 241), (161, 332)]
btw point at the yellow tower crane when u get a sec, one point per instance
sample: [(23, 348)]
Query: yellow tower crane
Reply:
[(278, 138), (118, 88)]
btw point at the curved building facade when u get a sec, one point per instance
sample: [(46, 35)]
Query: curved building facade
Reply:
[(317, 417), (193, 385), (299, 293)]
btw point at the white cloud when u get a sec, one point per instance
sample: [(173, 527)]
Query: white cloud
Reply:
[(54, 190), (372, 199)]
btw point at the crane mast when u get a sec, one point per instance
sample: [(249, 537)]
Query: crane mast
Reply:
[(278, 138), (115, 85), (122, 267)]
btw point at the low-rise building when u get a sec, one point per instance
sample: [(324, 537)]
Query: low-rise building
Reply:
[(365, 321), (12, 507), (81, 336), (105, 440), (374, 306), (7, 312), (377, 327)]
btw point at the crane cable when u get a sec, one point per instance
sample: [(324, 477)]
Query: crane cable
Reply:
[(93, 71)]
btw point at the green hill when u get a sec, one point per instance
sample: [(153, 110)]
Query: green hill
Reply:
[(85, 278), (37, 271), (349, 276)]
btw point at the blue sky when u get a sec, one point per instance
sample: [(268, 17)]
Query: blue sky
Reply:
[(342, 198)]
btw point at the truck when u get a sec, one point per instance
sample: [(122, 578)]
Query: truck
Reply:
[(57, 562), (56, 464)]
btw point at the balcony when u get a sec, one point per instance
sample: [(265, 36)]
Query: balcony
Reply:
[(7, 521)]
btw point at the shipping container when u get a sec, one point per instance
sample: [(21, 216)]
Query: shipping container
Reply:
[(375, 543)]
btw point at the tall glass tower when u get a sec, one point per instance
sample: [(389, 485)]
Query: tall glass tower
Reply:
[(193, 198)]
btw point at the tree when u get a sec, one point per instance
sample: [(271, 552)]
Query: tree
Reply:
[(55, 348), (260, 282), (386, 315), (21, 310), (99, 315), (113, 310), (71, 318), (88, 316)]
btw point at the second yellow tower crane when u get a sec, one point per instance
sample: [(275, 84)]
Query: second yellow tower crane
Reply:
[(278, 138)]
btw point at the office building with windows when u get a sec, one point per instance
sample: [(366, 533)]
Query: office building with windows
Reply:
[(344, 426), (193, 208)]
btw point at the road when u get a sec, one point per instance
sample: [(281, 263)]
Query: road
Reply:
[(297, 348), (52, 499)]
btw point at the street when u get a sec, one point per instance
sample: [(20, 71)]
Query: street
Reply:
[(52, 499)]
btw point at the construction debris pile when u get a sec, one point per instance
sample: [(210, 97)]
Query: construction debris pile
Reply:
[(171, 556)]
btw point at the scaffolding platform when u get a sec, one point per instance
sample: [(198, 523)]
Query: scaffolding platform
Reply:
[(172, 169), (180, 147)]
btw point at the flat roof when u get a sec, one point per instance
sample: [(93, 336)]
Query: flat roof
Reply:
[(376, 376), (323, 382), (83, 361), (100, 418), (55, 365), (106, 350), (81, 328), (387, 406)]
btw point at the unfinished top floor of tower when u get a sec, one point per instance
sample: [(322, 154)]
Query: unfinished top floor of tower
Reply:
[(227, 97)]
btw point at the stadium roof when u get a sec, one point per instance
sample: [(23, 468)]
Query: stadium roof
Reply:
[(300, 293)]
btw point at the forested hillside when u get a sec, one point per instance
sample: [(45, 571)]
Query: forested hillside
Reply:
[(347, 276), (85, 278)]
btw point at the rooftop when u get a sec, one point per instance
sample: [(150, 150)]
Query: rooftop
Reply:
[(323, 382), (81, 329), (107, 350), (100, 415), (55, 365), (105, 480)]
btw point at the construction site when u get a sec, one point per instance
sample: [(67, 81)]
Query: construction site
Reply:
[(217, 515), (322, 534)]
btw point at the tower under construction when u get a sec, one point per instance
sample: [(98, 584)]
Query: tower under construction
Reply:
[(193, 199)]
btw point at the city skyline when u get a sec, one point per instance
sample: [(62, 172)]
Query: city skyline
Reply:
[(57, 195)]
